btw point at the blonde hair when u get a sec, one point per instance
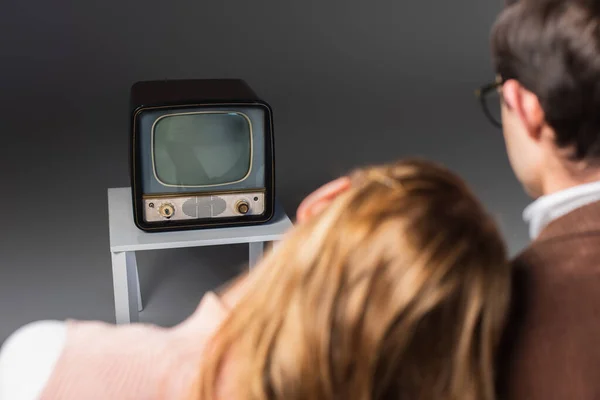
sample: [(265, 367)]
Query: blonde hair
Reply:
[(398, 289)]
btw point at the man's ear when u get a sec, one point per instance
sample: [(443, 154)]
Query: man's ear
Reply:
[(525, 105), (320, 198)]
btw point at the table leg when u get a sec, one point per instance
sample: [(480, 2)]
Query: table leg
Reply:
[(256, 252), (125, 284), (133, 261)]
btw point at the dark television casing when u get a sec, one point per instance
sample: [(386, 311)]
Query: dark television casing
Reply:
[(249, 201)]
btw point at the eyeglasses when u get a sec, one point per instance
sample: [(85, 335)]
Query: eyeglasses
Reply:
[(491, 100)]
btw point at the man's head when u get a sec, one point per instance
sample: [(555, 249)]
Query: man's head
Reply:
[(547, 56)]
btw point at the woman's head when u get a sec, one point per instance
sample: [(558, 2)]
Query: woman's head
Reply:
[(397, 288)]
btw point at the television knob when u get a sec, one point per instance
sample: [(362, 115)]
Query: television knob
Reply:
[(166, 210), (243, 207)]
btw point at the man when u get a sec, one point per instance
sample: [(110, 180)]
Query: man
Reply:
[(547, 58)]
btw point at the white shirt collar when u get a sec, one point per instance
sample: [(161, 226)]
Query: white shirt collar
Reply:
[(550, 207)]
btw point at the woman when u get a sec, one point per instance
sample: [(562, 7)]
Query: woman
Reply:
[(396, 289)]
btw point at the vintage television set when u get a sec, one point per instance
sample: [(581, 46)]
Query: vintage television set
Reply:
[(202, 155)]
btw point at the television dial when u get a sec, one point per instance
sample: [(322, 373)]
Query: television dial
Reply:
[(166, 210), (243, 207)]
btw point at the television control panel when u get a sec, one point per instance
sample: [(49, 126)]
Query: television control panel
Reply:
[(209, 206)]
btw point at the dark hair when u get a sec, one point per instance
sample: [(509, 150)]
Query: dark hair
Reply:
[(552, 47)]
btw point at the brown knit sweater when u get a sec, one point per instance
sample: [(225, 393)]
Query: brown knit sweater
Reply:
[(552, 343)]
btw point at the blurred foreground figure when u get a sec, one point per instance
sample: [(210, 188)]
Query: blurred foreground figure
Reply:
[(397, 289)]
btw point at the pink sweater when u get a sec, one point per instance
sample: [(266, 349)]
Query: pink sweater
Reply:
[(143, 362)]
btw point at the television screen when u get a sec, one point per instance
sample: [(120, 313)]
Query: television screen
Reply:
[(202, 149)]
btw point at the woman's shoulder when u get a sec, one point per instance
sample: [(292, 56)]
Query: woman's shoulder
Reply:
[(28, 357)]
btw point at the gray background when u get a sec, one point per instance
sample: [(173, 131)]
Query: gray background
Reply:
[(351, 83)]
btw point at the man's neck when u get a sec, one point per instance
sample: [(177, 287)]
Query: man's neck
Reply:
[(569, 175)]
